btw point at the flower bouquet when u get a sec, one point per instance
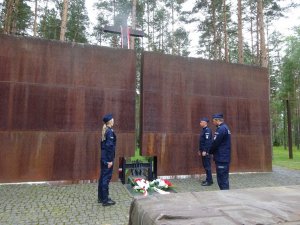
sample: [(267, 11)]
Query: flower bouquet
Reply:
[(140, 185), (161, 184), (144, 186)]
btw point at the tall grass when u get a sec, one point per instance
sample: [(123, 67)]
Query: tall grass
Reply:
[(281, 158)]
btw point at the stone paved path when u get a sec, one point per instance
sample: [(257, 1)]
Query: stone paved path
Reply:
[(77, 204)]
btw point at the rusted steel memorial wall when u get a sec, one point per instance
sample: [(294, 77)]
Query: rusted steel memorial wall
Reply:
[(178, 91), (53, 96)]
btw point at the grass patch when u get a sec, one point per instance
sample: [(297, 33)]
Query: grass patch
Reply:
[(281, 158)]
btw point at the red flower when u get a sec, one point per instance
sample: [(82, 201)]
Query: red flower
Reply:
[(168, 182), (137, 179)]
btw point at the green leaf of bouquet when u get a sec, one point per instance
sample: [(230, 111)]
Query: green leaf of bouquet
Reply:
[(131, 181)]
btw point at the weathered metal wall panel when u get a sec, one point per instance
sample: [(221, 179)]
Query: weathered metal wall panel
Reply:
[(178, 91), (53, 96)]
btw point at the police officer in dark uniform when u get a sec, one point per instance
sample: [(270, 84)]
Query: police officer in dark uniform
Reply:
[(205, 142), (108, 147), (221, 150)]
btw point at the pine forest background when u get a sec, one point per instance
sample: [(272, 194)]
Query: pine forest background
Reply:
[(236, 31)]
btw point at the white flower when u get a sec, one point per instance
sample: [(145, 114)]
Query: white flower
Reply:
[(161, 183), (143, 184)]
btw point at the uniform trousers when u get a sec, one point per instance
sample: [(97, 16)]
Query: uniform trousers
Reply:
[(105, 177), (207, 166), (223, 175)]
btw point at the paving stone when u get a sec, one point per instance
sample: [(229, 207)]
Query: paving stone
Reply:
[(77, 204)]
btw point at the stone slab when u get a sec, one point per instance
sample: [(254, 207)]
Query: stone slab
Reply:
[(269, 205)]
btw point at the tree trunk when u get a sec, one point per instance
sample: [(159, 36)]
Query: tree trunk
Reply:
[(8, 16), (35, 19), (257, 61), (289, 124), (220, 47), (297, 126), (45, 10), (162, 36), (114, 6), (252, 40), (14, 17), (225, 32), (153, 30), (148, 24), (284, 128), (240, 33), (172, 35), (64, 21), (261, 26), (133, 22), (215, 50)]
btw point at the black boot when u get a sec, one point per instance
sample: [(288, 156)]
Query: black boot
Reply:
[(109, 203)]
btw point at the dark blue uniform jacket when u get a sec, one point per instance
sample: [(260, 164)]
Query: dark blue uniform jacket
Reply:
[(221, 146), (205, 140), (108, 146)]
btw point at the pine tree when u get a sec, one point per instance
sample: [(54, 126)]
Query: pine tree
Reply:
[(49, 26), (17, 17), (78, 22), (106, 13)]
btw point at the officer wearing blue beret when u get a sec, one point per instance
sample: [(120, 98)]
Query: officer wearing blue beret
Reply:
[(205, 142), (108, 147), (221, 150)]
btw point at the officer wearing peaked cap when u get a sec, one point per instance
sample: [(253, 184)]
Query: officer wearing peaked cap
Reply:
[(221, 150), (205, 142), (108, 147)]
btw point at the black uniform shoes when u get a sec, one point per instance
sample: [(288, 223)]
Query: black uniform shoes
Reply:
[(108, 203), (205, 183)]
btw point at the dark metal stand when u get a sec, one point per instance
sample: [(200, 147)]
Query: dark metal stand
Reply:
[(138, 169)]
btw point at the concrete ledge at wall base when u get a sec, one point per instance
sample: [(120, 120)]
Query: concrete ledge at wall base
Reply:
[(58, 182), (198, 176)]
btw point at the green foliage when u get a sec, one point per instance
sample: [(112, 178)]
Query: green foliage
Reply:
[(285, 84), (272, 10), (20, 20), (78, 21), (24, 17), (49, 26), (158, 19), (281, 158), (123, 8), (1, 16), (291, 67), (211, 29), (181, 42), (104, 17)]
